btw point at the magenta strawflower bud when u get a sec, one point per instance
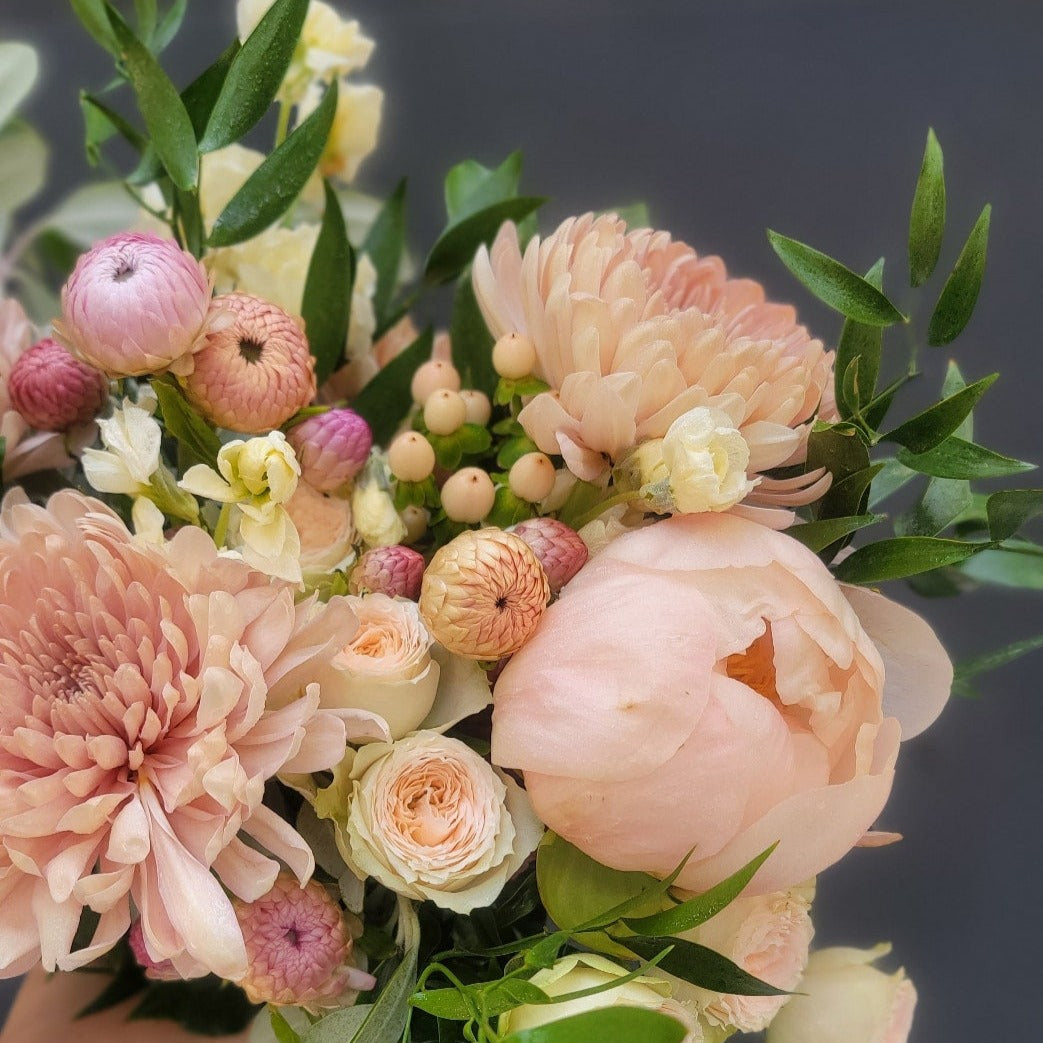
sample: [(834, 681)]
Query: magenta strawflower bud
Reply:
[(560, 550), (331, 448), (156, 970), (134, 304), (54, 391), (396, 571), (254, 371), (298, 947)]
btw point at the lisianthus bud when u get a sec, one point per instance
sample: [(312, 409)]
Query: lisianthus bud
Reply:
[(483, 594), (395, 571), (331, 448), (560, 550), (134, 304), (298, 947), (54, 391), (254, 373)]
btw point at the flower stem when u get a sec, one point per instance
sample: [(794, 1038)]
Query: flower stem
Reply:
[(283, 126)]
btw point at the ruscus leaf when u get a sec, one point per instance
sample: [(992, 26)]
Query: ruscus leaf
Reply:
[(818, 535), (384, 245), (931, 427), (1009, 509), (927, 219), (901, 557), (957, 458), (386, 399), (960, 292)]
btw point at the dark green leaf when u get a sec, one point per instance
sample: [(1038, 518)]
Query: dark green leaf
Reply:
[(277, 182), (956, 458), (281, 1028), (1017, 565), (931, 427), (818, 535), (128, 980), (384, 245), (943, 501), (960, 292), (326, 307), (701, 966), (862, 343), (208, 1006), (927, 220), (1009, 509), (457, 245), (901, 557), (835, 285), (202, 93), (471, 340), (92, 14), (161, 106), (470, 187), (255, 75), (386, 399), (182, 422), (607, 1025)]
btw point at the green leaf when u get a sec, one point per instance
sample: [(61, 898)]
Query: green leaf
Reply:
[(472, 343), (387, 1016), (101, 123), (902, 556), (202, 93), (161, 106), (169, 25), (182, 422), (960, 292), (326, 307), (457, 245), (864, 343), (384, 245), (207, 1005), (470, 187), (278, 181), (508, 509), (943, 501), (934, 425), (255, 75), (969, 668), (19, 67), (818, 535), (281, 1028), (450, 1004), (957, 458), (386, 399), (703, 907), (835, 285), (892, 476), (1018, 565), (634, 214), (91, 14), (23, 165), (146, 13), (339, 1026), (606, 1025), (701, 966), (1009, 509), (927, 219), (92, 212)]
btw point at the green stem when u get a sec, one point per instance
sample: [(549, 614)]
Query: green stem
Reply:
[(283, 126), (221, 529), (604, 505)]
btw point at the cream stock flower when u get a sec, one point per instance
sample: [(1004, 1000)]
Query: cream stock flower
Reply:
[(377, 521), (132, 438), (430, 819), (355, 130), (386, 667)]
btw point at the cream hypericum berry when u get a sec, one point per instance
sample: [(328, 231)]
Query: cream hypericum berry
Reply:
[(411, 457), (532, 477), (54, 391), (479, 408), (468, 495), (134, 304), (514, 356), (432, 376), (331, 448), (445, 412)]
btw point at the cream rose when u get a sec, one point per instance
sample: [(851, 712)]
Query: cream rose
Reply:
[(386, 668), (431, 820), (844, 997), (327, 533), (579, 971)]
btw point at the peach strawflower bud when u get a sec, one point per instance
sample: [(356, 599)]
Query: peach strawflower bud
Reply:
[(396, 571), (514, 356), (134, 304), (560, 550), (331, 448), (483, 594), (444, 412), (254, 373), (532, 477), (411, 457), (297, 947), (432, 376), (54, 391), (468, 495), (156, 970), (479, 408)]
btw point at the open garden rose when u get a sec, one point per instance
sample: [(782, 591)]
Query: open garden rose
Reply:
[(705, 683)]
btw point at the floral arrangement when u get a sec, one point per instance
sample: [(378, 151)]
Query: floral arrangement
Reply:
[(508, 684)]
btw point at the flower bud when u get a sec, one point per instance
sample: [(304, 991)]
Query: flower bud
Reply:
[(331, 447), (432, 376), (514, 356), (468, 495), (396, 571), (444, 412), (411, 457), (54, 391), (560, 550), (532, 477)]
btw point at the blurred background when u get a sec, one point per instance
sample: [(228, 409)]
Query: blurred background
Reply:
[(727, 117)]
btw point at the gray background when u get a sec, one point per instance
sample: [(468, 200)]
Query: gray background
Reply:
[(728, 116)]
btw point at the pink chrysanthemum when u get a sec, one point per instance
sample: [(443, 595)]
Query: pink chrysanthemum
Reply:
[(633, 330), (331, 447), (54, 391), (134, 304), (396, 571), (254, 373), (561, 551), (149, 693), (298, 948)]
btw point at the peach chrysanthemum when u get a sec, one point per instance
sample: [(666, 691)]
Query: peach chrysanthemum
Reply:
[(253, 374), (149, 693), (483, 594), (632, 330)]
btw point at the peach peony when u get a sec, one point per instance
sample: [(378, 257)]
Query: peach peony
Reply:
[(632, 330), (704, 683), (149, 694)]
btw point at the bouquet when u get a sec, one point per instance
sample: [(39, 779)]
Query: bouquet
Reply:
[(507, 683)]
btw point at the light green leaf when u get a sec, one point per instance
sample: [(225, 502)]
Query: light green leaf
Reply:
[(147, 13), (278, 181), (326, 307), (943, 501), (93, 212), (956, 458), (893, 476), (387, 1017), (835, 285), (901, 557), (91, 14), (386, 399), (927, 219), (182, 422), (1009, 509), (384, 245), (282, 1029), (960, 292), (340, 1026), (168, 26), (1017, 565), (931, 427), (161, 106), (19, 67), (634, 214), (23, 165), (818, 535), (607, 1025), (470, 187), (255, 75)]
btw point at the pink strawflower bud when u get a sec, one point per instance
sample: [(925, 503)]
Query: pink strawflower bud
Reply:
[(134, 304), (253, 373), (157, 970), (298, 947), (54, 391), (561, 551), (396, 571), (331, 448)]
